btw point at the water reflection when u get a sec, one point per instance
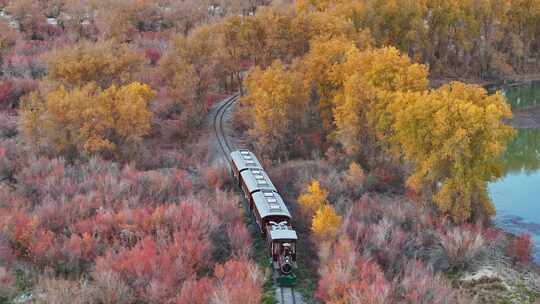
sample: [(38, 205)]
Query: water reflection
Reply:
[(517, 194), (524, 95), (523, 153)]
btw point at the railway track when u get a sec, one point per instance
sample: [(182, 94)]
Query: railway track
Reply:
[(218, 126), (284, 295)]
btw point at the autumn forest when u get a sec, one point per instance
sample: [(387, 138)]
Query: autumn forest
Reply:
[(370, 116)]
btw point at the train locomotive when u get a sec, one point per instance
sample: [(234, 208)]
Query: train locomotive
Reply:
[(268, 210)]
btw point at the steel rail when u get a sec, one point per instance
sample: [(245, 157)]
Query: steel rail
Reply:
[(218, 125), (226, 148)]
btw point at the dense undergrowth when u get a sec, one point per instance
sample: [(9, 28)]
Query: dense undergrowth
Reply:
[(107, 195)]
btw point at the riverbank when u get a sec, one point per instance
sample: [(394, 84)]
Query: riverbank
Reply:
[(514, 80), (526, 118)]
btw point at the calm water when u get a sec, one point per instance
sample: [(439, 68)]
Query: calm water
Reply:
[(517, 194)]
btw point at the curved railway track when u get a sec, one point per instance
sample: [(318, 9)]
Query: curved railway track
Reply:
[(218, 125), (284, 295)]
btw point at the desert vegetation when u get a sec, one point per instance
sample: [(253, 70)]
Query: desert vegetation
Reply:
[(108, 190)]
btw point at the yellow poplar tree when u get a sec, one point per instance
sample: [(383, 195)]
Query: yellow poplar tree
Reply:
[(326, 223), (87, 120), (104, 63), (355, 175), (276, 101), (454, 137), (313, 199), (361, 108), (318, 68)]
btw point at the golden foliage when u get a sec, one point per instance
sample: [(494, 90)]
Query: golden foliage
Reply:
[(188, 71), (326, 223), (276, 102), (370, 99), (313, 199), (87, 120), (121, 20), (361, 112), (319, 67), (104, 63), (454, 137), (355, 175)]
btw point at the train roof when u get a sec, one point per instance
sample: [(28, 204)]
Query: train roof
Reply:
[(256, 179), (282, 232), (244, 159), (270, 203)]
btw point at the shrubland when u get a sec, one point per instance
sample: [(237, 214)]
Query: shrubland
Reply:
[(107, 196), (390, 246), (103, 232), (107, 191)]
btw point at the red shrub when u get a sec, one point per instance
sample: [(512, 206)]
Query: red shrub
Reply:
[(371, 287), (420, 285), (238, 281), (182, 181), (127, 227), (240, 240), (6, 90), (43, 248), (348, 278), (153, 55), (150, 272), (226, 207), (195, 292), (81, 248), (493, 236), (7, 282), (462, 244), (23, 232), (520, 249), (217, 177), (8, 124), (6, 253)]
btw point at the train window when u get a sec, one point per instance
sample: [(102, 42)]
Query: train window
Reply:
[(259, 177), (244, 152), (250, 162), (247, 157), (268, 194), (271, 200), (274, 207)]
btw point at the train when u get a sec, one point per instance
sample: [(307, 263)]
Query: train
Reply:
[(269, 212)]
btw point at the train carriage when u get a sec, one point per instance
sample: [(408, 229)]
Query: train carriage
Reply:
[(253, 180), (243, 160), (269, 207), (269, 211)]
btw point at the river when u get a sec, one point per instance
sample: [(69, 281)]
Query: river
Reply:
[(517, 194)]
